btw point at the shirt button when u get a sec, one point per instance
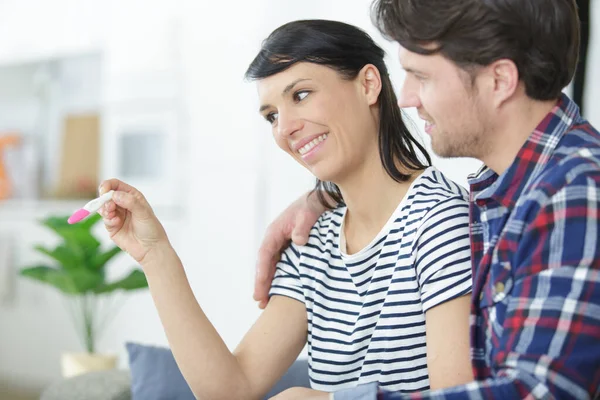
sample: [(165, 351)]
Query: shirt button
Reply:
[(499, 287)]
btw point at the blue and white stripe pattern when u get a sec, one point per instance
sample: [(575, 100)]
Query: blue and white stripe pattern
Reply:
[(366, 311)]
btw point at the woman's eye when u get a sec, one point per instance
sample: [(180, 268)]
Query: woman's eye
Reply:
[(271, 117), (301, 95)]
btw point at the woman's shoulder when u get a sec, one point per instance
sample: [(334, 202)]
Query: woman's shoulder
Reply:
[(438, 187), (329, 222), (436, 198), (322, 240)]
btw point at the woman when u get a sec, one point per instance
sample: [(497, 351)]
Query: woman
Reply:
[(379, 292)]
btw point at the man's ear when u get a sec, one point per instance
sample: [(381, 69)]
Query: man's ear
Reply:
[(504, 76), (370, 81)]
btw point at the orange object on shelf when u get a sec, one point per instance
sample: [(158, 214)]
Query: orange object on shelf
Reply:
[(6, 139)]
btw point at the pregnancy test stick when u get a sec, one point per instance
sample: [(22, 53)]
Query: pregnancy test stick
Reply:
[(90, 208)]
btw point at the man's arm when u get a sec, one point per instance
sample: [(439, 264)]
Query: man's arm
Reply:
[(293, 224), (549, 346)]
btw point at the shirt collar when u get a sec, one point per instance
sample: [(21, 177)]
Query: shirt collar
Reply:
[(539, 147)]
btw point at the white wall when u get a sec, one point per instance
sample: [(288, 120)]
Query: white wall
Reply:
[(36, 29), (236, 180), (592, 93)]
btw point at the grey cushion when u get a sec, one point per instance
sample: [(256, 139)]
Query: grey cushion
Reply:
[(296, 376), (155, 374), (99, 385)]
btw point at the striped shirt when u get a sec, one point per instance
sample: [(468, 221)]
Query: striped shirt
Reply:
[(535, 315), (366, 311)]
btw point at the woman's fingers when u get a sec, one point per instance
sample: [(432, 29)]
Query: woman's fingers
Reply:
[(125, 196), (133, 202), (116, 185), (113, 222), (111, 217)]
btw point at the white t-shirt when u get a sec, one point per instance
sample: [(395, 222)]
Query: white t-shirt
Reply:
[(366, 311)]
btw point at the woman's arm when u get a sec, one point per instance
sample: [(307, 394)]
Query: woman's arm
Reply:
[(448, 359), (208, 366), (443, 266), (211, 370)]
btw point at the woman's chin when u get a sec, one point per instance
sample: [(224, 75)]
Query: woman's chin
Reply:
[(325, 171), (325, 176)]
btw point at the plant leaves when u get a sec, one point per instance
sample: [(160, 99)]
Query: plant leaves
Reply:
[(70, 282), (80, 241), (88, 223), (100, 259), (135, 280), (78, 237), (81, 262), (65, 257)]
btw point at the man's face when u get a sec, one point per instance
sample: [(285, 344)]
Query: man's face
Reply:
[(447, 99)]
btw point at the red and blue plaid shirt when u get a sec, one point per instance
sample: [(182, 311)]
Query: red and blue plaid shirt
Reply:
[(535, 234)]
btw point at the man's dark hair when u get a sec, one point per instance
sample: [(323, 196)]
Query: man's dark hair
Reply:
[(540, 36)]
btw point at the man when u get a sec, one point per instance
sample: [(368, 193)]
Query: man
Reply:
[(486, 76)]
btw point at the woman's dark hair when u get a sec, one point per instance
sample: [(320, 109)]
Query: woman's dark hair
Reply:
[(346, 49), (540, 37)]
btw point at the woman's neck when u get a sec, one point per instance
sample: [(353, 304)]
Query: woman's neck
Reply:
[(371, 197)]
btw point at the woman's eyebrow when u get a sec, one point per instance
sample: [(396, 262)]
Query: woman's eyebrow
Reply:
[(285, 91), (291, 85)]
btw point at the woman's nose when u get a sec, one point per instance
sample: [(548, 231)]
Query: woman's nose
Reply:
[(288, 124)]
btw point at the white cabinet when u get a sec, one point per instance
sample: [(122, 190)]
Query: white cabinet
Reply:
[(142, 145)]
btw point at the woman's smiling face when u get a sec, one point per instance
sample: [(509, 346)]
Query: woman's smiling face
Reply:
[(325, 122)]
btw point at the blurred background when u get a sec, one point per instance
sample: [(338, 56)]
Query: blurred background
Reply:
[(151, 92)]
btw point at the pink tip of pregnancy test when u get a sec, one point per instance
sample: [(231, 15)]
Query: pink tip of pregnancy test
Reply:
[(78, 216)]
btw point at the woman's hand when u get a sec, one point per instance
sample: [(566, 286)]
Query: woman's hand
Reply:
[(301, 393), (130, 221)]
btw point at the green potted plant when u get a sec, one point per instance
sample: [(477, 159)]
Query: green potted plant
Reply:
[(78, 270)]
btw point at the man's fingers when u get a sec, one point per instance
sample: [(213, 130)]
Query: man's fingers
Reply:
[(271, 247), (268, 257), (302, 228), (276, 239), (265, 269), (261, 288), (262, 264)]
